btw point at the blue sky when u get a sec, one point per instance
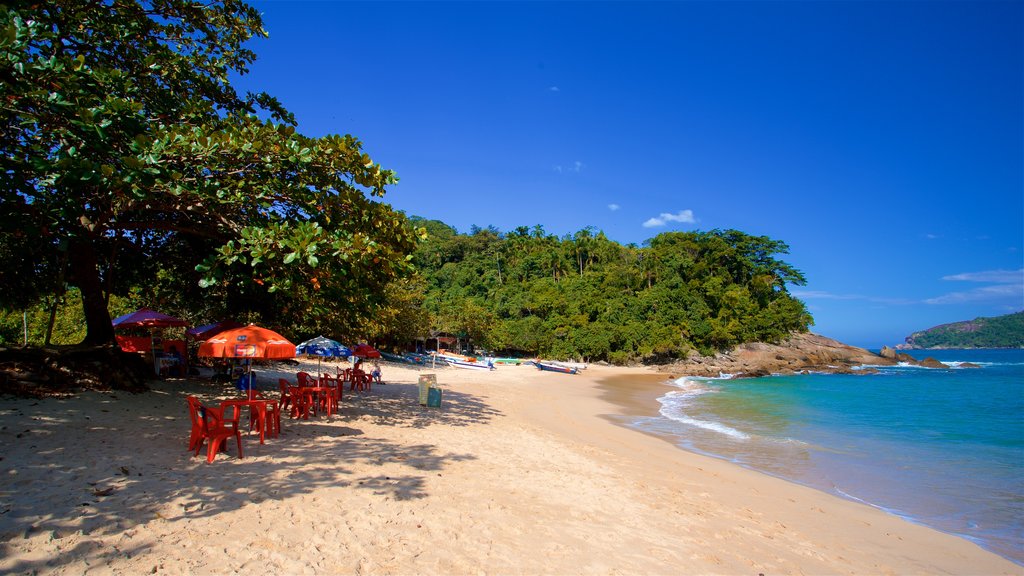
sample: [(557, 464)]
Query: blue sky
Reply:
[(883, 141)]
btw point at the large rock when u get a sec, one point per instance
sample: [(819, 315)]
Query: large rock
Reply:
[(798, 353), (930, 362)]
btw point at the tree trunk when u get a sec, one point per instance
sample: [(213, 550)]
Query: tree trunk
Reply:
[(86, 273)]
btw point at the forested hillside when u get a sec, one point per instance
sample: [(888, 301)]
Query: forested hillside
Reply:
[(586, 296), (525, 292), (998, 332)]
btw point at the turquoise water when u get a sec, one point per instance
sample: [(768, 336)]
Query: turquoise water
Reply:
[(941, 447)]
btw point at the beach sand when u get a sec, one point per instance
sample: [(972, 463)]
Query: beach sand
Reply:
[(519, 472)]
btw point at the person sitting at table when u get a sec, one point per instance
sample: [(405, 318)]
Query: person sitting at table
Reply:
[(375, 374)]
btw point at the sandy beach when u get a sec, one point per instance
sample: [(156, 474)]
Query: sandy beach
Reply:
[(519, 472)]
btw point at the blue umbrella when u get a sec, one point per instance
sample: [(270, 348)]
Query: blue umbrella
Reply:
[(322, 346)]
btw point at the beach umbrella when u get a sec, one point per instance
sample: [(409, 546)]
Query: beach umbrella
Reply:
[(365, 351), (147, 318), (322, 346), (206, 331), (247, 342)]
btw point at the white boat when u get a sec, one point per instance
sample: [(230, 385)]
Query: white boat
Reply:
[(554, 367), (469, 365)]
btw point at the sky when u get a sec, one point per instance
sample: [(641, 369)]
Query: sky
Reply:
[(883, 142)]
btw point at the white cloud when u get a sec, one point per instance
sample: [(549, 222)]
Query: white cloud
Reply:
[(1006, 285), (996, 276), (576, 167), (997, 292), (822, 295), (684, 216), (613, 207), (554, 89)]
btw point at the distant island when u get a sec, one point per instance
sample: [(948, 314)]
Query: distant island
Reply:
[(998, 332)]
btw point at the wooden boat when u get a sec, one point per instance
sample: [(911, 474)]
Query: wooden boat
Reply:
[(554, 367)]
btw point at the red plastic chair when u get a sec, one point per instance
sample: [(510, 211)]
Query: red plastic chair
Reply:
[(333, 397), (209, 424), (301, 402), (272, 426), (286, 396)]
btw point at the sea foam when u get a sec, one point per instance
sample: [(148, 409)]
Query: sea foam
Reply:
[(674, 404)]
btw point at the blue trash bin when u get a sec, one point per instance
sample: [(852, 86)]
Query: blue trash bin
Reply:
[(434, 398)]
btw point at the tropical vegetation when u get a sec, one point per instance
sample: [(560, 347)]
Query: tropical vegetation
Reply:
[(586, 296), (132, 164), (996, 332), (135, 175)]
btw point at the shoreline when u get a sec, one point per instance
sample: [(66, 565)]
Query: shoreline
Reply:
[(638, 397), (519, 471)]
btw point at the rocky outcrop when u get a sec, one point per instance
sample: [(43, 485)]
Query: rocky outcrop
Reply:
[(799, 353), (930, 362)]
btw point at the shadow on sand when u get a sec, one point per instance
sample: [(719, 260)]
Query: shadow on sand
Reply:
[(130, 461)]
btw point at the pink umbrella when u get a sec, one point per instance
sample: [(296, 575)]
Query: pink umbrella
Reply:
[(147, 318)]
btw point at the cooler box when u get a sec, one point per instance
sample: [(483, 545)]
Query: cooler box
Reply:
[(434, 398)]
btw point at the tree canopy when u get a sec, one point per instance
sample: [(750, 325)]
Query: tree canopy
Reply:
[(135, 173), (129, 159), (586, 296)]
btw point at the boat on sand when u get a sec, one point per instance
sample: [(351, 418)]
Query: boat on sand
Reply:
[(554, 367)]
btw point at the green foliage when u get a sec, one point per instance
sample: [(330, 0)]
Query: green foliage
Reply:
[(998, 332), (69, 321), (585, 296), (125, 145)]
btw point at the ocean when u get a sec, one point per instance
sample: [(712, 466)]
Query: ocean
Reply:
[(939, 447)]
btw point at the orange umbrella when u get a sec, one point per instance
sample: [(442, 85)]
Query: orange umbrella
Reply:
[(247, 342)]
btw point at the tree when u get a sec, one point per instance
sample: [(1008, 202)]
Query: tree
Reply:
[(586, 296), (122, 135)]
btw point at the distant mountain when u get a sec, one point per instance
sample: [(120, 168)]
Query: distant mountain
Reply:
[(999, 332)]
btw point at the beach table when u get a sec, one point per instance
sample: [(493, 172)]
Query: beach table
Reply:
[(337, 386), (307, 398), (258, 410)]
